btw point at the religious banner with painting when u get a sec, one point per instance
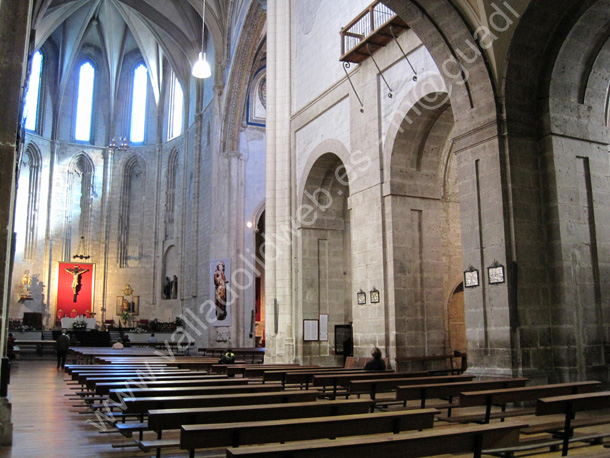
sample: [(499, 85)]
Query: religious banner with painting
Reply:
[(75, 284), (220, 273)]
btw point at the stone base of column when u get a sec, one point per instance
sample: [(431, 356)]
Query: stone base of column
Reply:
[(6, 426)]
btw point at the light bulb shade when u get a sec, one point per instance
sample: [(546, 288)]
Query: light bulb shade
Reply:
[(202, 69)]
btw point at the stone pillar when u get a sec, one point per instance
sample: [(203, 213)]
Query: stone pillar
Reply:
[(14, 33), (278, 238)]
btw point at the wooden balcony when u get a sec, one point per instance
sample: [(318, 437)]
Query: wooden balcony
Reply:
[(375, 27)]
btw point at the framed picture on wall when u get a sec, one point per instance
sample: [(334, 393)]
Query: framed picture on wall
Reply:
[(311, 330), (495, 273), (323, 327), (119, 305), (471, 277)]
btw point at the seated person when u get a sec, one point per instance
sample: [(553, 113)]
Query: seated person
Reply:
[(10, 345), (118, 345), (376, 364), (126, 339), (152, 338), (228, 357)]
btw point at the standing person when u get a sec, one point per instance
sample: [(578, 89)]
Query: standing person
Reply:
[(174, 288), (377, 363), (62, 344), (167, 289)]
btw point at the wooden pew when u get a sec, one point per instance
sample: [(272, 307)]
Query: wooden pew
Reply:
[(121, 393), (465, 439), (452, 390), (168, 419), (304, 376), (258, 432), (383, 384), (336, 380), (144, 404), (501, 397), (82, 377), (104, 388), (569, 406)]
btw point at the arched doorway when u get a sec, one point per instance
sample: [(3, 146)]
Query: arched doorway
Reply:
[(259, 288)]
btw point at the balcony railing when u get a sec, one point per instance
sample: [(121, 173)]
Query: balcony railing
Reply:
[(370, 30)]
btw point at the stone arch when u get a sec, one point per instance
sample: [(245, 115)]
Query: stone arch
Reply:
[(170, 194), (171, 268), (131, 212), (325, 243), (556, 95), (79, 203), (425, 243), (483, 174), (28, 200), (444, 32)]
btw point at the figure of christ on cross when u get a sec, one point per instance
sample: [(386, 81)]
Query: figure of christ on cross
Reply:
[(76, 272)]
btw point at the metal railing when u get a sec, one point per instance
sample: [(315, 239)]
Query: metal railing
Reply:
[(371, 19)]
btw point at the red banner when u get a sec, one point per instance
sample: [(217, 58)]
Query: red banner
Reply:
[(75, 289)]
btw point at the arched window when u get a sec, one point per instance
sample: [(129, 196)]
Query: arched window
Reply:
[(84, 104), (138, 104), (176, 104), (30, 111)]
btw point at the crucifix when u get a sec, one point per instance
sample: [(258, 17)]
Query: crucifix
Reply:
[(76, 272)]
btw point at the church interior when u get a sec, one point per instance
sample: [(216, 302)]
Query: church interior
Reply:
[(310, 179)]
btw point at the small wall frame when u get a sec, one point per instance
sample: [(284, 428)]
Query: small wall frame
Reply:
[(374, 295), (361, 297), (471, 277), (311, 330), (495, 273)]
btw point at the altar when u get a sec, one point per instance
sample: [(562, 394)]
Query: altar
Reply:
[(69, 322)]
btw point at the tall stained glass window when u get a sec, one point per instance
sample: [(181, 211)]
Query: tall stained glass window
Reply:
[(176, 106), (138, 104), (30, 112), (84, 104)]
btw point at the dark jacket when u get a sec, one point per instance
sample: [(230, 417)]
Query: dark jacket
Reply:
[(62, 342), (227, 358), (375, 365)]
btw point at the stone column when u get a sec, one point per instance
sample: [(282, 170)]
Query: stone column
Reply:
[(14, 35), (278, 222)]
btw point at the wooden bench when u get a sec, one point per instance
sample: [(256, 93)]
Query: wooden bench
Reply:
[(455, 363), (568, 406), (144, 404), (449, 391), (259, 432), (160, 420), (168, 419), (118, 394), (501, 397), (105, 387), (466, 439), (380, 385), (83, 377), (342, 380)]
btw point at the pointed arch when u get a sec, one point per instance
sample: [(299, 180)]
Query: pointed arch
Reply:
[(29, 176), (170, 194), (79, 201), (131, 212)]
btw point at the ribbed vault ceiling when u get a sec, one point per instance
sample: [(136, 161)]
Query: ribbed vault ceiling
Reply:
[(160, 29)]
